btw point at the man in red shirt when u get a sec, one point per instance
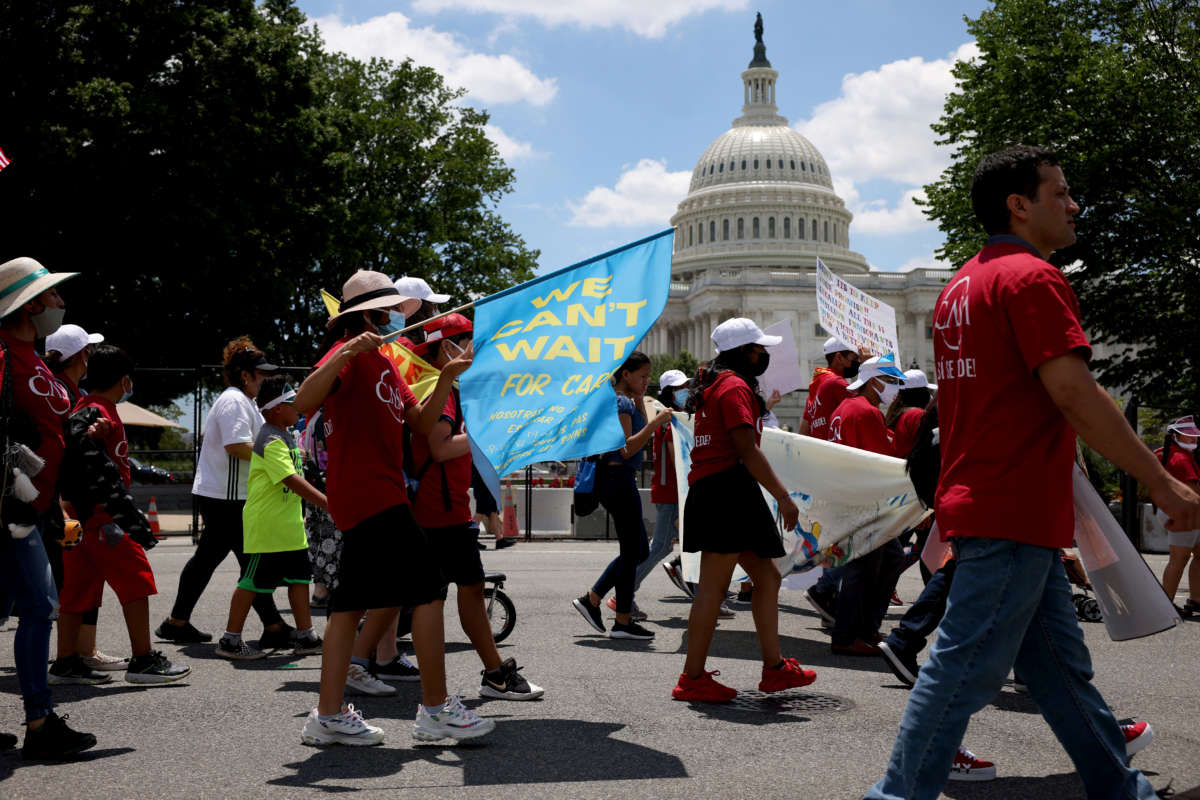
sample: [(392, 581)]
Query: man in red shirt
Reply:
[(441, 468), (1014, 389), (32, 408), (868, 580), (828, 387)]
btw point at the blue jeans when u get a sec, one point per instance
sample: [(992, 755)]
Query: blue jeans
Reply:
[(924, 616), (665, 526), (25, 576), (830, 581), (1010, 605)]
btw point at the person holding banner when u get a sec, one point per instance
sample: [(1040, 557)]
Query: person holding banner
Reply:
[(726, 518), (616, 486), (828, 387), (1178, 455), (387, 560), (1014, 389)]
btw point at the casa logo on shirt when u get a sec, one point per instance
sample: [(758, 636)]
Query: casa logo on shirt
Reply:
[(952, 316), (389, 394), (835, 429), (43, 384), (122, 450)]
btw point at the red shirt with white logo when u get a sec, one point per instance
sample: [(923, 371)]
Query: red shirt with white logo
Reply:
[(115, 444), (904, 432), (1006, 449), (364, 426), (1181, 464), (820, 375), (828, 397), (38, 395), (728, 404), (429, 502), (858, 423), (664, 489)]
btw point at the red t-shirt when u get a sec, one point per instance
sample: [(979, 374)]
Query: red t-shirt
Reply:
[(115, 444), (1006, 449), (364, 426), (828, 397), (664, 489), (904, 433), (1181, 464), (429, 502), (39, 395), (857, 423), (820, 375), (728, 403)]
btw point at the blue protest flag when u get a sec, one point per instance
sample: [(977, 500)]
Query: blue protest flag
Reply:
[(539, 387)]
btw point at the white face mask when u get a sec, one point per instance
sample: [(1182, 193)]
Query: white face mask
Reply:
[(452, 354), (889, 393), (1185, 445), (47, 321)]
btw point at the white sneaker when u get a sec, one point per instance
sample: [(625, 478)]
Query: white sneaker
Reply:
[(105, 662), (360, 681), (454, 721), (347, 728)]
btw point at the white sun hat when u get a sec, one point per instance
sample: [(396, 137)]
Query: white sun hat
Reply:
[(916, 379), (741, 331)]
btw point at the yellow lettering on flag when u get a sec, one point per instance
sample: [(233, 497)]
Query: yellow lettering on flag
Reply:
[(419, 374)]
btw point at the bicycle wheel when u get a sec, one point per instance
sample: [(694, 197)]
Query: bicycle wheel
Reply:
[(501, 613)]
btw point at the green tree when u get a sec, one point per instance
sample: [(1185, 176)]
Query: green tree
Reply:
[(1114, 87), (209, 167), (661, 362)]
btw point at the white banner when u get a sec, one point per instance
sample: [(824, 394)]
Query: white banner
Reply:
[(854, 316), (851, 501)]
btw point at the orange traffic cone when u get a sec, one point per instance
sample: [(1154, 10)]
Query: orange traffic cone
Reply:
[(510, 533), (152, 516)]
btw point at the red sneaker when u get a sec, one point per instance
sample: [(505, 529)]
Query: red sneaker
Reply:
[(1137, 737), (788, 675), (703, 689), (967, 767), (896, 601), (611, 602)]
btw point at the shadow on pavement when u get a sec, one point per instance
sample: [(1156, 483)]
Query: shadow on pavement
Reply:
[(581, 751), (1065, 786), (1015, 701), (11, 761)]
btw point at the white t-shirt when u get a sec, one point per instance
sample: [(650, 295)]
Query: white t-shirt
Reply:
[(233, 419)]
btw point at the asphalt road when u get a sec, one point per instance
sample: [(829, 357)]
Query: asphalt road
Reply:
[(606, 727)]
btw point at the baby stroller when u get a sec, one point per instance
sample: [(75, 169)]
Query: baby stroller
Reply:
[(1086, 607)]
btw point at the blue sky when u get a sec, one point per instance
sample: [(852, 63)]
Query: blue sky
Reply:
[(603, 106)]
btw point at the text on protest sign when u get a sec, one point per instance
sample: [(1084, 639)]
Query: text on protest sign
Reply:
[(854, 316)]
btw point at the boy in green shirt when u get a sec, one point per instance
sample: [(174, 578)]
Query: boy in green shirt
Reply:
[(273, 523)]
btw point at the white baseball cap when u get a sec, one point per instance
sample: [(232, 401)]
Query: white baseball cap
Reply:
[(874, 367), (70, 339), (916, 379), (671, 378), (835, 345), (741, 331), (418, 288)]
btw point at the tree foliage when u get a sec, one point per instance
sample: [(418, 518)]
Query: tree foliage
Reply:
[(209, 167), (661, 362), (1114, 87)]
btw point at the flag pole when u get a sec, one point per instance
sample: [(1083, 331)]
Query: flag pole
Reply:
[(391, 337)]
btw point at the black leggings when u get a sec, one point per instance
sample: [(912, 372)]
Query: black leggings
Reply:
[(222, 534), (617, 488)]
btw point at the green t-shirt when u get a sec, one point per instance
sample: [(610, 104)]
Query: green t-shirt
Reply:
[(273, 518)]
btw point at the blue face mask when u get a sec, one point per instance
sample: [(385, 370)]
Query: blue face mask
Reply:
[(125, 397), (681, 397), (394, 324)]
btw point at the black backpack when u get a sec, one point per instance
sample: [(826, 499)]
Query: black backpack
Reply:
[(924, 463)]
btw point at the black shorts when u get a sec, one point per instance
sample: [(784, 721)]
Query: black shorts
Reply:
[(265, 572), (485, 504), (458, 553), (727, 513), (387, 561)]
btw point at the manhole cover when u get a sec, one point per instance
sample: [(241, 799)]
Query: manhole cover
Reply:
[(794, 700)]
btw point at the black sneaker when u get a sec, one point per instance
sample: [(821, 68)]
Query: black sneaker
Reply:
[(278, 640), (237, 651), (505, 541), (7, 741), (589, 612), (154, 668), (902, 663), (181, 634), (506, 683), (72, 670), (54, 740), (826, 605), (630, 631), (307, 645), (398, 669)]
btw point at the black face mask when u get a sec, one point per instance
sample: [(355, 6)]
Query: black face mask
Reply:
[(851, 372), (758, 368), (739, 361)]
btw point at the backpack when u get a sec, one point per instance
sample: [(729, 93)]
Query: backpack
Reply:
[(586, 498), (414, 478), (924, 463)]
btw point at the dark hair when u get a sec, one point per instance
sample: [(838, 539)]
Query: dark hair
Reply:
[(636, 360), (924, 463), (350, 324), (272, 386), (107, 366), (706, 376), (666, 396), (57, 364), (1013, 170)]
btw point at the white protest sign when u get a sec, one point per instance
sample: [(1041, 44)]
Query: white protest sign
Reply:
[(854, 316), (783, 373)]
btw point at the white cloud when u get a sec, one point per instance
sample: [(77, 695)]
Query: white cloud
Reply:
[(510, 149), (878, 130), (645, 194), (922, 262), (489, 78), (649, 19)]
